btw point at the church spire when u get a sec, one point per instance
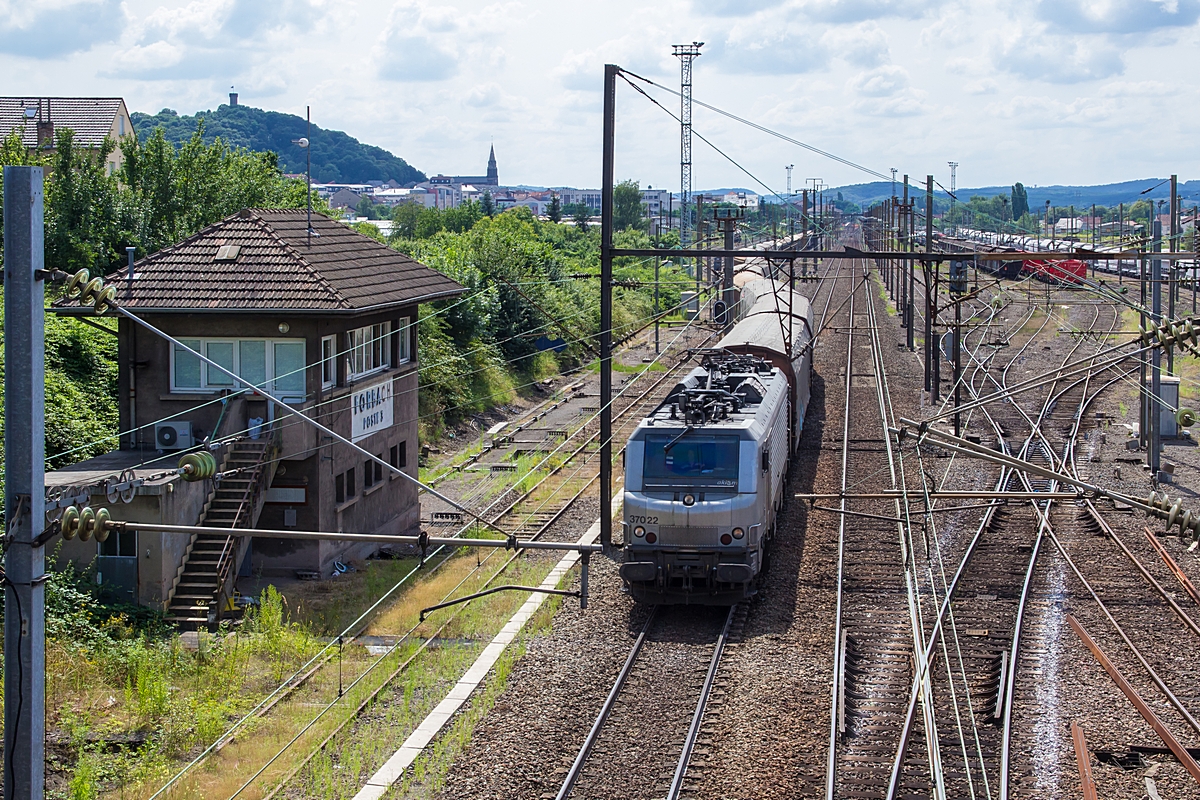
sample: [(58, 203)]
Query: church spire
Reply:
[(493, 174)]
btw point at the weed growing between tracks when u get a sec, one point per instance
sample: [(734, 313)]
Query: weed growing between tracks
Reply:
[(428, 775), (341, 769)]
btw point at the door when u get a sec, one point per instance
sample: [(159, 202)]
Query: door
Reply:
[(117, 566)]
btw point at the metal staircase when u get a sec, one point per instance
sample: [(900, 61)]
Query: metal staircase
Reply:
[(203, 580)]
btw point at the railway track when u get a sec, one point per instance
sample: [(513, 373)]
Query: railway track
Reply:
[(643, 738)]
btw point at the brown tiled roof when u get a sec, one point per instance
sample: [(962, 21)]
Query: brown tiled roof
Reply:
[(275, 270), (91, 118)]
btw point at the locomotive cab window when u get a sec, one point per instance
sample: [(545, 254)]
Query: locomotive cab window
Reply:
[(693, 460)]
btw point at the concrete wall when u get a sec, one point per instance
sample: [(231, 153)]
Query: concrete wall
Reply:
[(174, 502)]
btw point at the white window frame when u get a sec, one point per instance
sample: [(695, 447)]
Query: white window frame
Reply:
[(204, 387), (405, 341), (328, 361), (369, 350)]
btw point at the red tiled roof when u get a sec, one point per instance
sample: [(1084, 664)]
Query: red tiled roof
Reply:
[(275, 270), (91, 118)]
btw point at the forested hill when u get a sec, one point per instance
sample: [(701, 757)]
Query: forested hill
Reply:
[(336, 157)]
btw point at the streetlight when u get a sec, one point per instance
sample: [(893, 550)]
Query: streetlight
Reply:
[(302, 142)]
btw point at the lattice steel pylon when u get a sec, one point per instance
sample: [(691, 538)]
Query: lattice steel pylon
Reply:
[(686, 53)]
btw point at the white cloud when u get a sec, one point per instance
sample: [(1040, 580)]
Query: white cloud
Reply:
[(732, 8), (1040, 111), (48, 30), (435, 81), (863, 45), (1060, 59), (1135, 89), (985, 86), (840, 11), (1119, 16), (415, 58), (880, 82)]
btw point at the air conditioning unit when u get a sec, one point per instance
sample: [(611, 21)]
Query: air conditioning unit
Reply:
[(172, 435)]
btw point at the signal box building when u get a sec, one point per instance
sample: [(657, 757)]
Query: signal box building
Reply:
[(325, 322)]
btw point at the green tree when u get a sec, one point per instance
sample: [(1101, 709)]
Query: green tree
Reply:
[(627, 205), (82, 211), (487, 204), (581, 216), (1020, 201), (366, 208), (404, 220), (554, 210)]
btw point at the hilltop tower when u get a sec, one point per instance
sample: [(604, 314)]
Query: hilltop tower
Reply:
[(493, 174)]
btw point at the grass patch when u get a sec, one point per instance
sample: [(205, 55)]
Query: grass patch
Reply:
[(617, 366)]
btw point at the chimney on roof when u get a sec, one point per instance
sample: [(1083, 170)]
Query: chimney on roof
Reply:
[(45, 128), (233, 98)]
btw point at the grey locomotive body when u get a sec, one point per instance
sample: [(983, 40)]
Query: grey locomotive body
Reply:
[(705, 473)]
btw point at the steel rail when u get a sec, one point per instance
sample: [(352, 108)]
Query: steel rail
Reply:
[(1154, 676), (944, 611), (904, 531), (838, 654), (605, 710), (1044, 528), (921, 687), (1179, 751), (689, 743)]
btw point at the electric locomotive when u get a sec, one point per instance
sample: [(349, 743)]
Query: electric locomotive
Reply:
[(705, 472)]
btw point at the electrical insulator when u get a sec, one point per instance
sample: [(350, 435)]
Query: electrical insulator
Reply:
[(1186, 417), (1185, 333), (76, 283), (1174, 513), (87, 523), (69, 522), (198, 466), (103, 518)]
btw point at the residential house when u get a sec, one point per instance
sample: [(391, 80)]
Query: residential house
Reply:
[(91, 119), (345, 198)]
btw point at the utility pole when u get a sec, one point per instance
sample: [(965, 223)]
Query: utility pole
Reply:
[(1172, 283), (727, 219), (606, 262), (932, 363), (24, 490), (657, 263), (908, 268), (1156, 354), (788, 219), (953, 189)]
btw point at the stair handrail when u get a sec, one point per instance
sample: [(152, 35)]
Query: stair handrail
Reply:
[(212, 491), (255, 488)]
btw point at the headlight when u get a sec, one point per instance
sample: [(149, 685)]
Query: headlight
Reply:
[(689, 499), (639, 531), (738, 533), (725, 539)]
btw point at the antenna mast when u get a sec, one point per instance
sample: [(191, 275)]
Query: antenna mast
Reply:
[(686, 54)]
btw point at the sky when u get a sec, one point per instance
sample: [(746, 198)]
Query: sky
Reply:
[(1039, 91)]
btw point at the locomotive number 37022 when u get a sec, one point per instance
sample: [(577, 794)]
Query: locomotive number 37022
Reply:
[(643, 520)]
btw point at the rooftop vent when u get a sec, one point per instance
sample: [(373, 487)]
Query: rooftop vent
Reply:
[(228, 252)]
